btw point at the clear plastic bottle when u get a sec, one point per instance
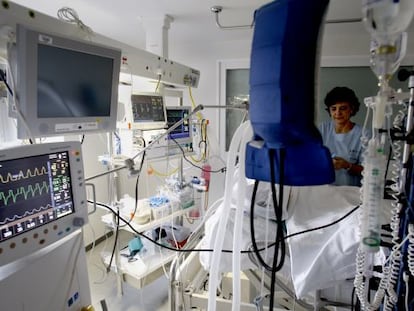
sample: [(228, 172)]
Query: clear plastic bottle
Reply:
[(386, 18), (386, 21)]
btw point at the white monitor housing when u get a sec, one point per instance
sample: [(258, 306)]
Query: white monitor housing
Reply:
[(145, 111), (63, 85), (42, 197)]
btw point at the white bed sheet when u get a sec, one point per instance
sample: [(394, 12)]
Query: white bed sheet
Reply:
[(319, 259)]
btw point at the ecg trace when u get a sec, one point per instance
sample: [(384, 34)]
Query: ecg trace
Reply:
[(8, 220), (23, 192), (9, 177)]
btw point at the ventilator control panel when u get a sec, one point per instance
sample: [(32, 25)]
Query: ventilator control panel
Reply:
[(42, 197)]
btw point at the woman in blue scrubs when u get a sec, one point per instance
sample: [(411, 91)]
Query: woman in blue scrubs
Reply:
[(342, 136)]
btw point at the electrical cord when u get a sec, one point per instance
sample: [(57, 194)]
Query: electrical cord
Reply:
[(280, 241), (352, 298), (17, 103), (108, 268), (69, 15), (323, 226), (252, 230), (3, 78), (221, 170), (157, 86), (224, 251), (279, 207)]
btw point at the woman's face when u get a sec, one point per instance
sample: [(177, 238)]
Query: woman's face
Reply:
[(340, 112)]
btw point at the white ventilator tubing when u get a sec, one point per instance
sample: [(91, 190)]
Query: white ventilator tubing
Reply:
[(218, 243), (238, 225)]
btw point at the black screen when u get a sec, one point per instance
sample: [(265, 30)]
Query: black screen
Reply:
[(147, 108), (73, 84)]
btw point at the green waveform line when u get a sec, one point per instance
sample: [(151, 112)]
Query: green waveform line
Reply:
[(24, 193), (22, 175)]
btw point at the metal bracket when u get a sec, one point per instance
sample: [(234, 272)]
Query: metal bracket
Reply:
[(217, 10)]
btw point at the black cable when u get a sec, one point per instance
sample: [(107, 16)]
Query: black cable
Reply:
[(280, 241), (3, 78), (252, 230), (108, 268), (279, 216), (221, 170), (104, 305), (323, 226), (352, 298), (224, 251), (153, 241), (82, 139)]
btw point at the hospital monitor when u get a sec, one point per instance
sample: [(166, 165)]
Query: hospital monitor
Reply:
[(178, 141), (148, 111), (183, 131), (42, 196), (65, 85)]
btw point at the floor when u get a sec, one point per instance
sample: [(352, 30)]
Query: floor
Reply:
[(153, 297)]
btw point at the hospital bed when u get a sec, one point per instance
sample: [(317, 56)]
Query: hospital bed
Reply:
[(322, 236), (319, 269)]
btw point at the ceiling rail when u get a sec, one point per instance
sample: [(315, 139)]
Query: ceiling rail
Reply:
[(217, 9)]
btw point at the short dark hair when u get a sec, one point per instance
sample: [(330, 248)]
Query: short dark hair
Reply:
[(342, 94)]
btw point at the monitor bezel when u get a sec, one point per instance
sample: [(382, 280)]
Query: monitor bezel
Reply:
[(27, 43)]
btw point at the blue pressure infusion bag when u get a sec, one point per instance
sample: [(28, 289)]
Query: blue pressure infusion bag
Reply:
[(283, 72)]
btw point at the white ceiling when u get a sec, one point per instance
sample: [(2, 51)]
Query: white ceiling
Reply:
[(193, 20)]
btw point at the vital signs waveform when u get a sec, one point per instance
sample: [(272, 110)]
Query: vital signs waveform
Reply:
[(30, 191), (7, 220), (9, 177)]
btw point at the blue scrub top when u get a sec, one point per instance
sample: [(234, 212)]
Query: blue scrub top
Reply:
[(344, 145)]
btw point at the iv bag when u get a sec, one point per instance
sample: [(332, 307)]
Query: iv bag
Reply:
[(385, 19)]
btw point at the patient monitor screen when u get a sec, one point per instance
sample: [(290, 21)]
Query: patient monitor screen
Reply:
[(148, 108), (34, 191), (175, 114), (73, 84)]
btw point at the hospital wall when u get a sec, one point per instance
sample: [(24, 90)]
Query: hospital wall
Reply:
[(338, 48)]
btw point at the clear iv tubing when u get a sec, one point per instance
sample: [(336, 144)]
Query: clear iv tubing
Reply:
[(411, 249), (369, 220), (238, 224), (390, 272), (372, 187), (218, 243)]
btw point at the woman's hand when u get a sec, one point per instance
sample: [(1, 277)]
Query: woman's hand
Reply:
[(340, 163)]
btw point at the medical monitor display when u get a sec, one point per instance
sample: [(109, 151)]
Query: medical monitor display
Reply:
[(148, 111), (86, 95), (65, 86), (34, 191), (175, 114), (42, 197)]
